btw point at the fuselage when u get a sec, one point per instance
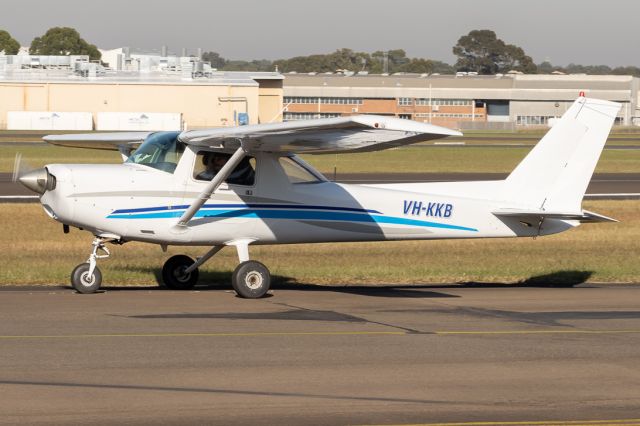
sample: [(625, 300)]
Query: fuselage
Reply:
[(135, 202)]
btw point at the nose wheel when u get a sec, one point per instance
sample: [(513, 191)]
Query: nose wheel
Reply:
[(86, 277), (84, 280)]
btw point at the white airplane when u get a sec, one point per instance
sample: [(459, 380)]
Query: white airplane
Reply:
[(169, 191)]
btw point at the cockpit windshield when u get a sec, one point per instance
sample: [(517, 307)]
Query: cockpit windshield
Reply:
[(161, 150)]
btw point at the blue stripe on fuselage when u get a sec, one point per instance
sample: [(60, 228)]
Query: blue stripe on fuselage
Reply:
[(297, 214), (250, 205)]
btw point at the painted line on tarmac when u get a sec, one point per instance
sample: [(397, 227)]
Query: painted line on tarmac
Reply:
[(18, 197), (265, 334), (320, 333), (620, 422), (501, 332), (620, 194)]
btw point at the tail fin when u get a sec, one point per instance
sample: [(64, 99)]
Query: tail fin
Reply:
[(555, 174)]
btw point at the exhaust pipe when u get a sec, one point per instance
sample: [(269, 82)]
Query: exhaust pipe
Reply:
[(39, 180)]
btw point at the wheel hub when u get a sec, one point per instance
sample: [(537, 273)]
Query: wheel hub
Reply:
[(181, 275), (254, 280), (87, 280)]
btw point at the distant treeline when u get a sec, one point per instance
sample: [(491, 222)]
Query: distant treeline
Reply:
[(347, 59), (479, 51)]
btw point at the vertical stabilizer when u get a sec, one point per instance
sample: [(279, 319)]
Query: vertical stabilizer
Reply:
[(556, 173)]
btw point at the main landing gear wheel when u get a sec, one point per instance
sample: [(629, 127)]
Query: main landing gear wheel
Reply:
[(251, 280), (83, 281), (173, 274)]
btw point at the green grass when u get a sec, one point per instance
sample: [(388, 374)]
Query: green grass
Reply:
[(409, 159), (454, 159), (33, 250), (39, 155)]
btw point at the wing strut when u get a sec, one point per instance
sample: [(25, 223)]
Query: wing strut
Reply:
[(204, 196)]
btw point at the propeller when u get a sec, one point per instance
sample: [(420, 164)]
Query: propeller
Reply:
[(20, 167), (38, 180)]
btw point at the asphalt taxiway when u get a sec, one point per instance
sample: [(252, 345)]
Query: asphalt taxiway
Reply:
[(318, 355), (603, 185)]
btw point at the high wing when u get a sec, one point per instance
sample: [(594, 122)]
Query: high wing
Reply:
[(321, 136), (109, 141)]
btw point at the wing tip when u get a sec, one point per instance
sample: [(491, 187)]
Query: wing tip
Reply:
[(396, 123)]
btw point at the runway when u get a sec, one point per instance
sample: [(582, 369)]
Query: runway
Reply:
[(603, 186), (318, 355)]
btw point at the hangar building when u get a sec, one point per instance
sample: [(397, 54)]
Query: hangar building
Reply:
[(155, 92), (36, 92), (462, 101)]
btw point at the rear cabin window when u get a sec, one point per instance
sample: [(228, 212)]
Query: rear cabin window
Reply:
[(208, 164), (296, 171)]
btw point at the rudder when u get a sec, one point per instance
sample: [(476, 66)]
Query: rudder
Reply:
[(556, 173)]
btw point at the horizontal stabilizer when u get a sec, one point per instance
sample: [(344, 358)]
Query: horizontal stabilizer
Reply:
[(538, 215)]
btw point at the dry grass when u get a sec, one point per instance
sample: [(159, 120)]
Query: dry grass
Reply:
[(33, 250)]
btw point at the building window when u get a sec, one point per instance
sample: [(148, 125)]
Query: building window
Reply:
[(543, 120), (341, 101), (444, 102), (405, 101), (320, 100), (294, 116), (447, 115), (405, 116), (533, 120)]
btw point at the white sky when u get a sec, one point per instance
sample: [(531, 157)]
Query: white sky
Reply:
[(587, 32)]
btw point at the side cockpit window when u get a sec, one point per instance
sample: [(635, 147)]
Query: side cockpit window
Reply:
[(208, 164), (161, 150)]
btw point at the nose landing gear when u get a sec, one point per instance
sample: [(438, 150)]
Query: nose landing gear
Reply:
[(86, 277)]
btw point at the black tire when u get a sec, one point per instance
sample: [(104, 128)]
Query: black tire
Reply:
[(82, 282), (251, 280), (173, 276)]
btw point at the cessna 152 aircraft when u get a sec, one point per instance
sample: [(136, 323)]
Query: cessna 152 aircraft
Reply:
[(169, 191)]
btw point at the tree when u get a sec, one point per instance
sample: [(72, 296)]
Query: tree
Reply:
[(254, 65), (426, 66), (483, 52), (341, 59), (8, 44), (63, 41), (546, 68), (214, 59), (395, 58), (635, 71), (514, 58)]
